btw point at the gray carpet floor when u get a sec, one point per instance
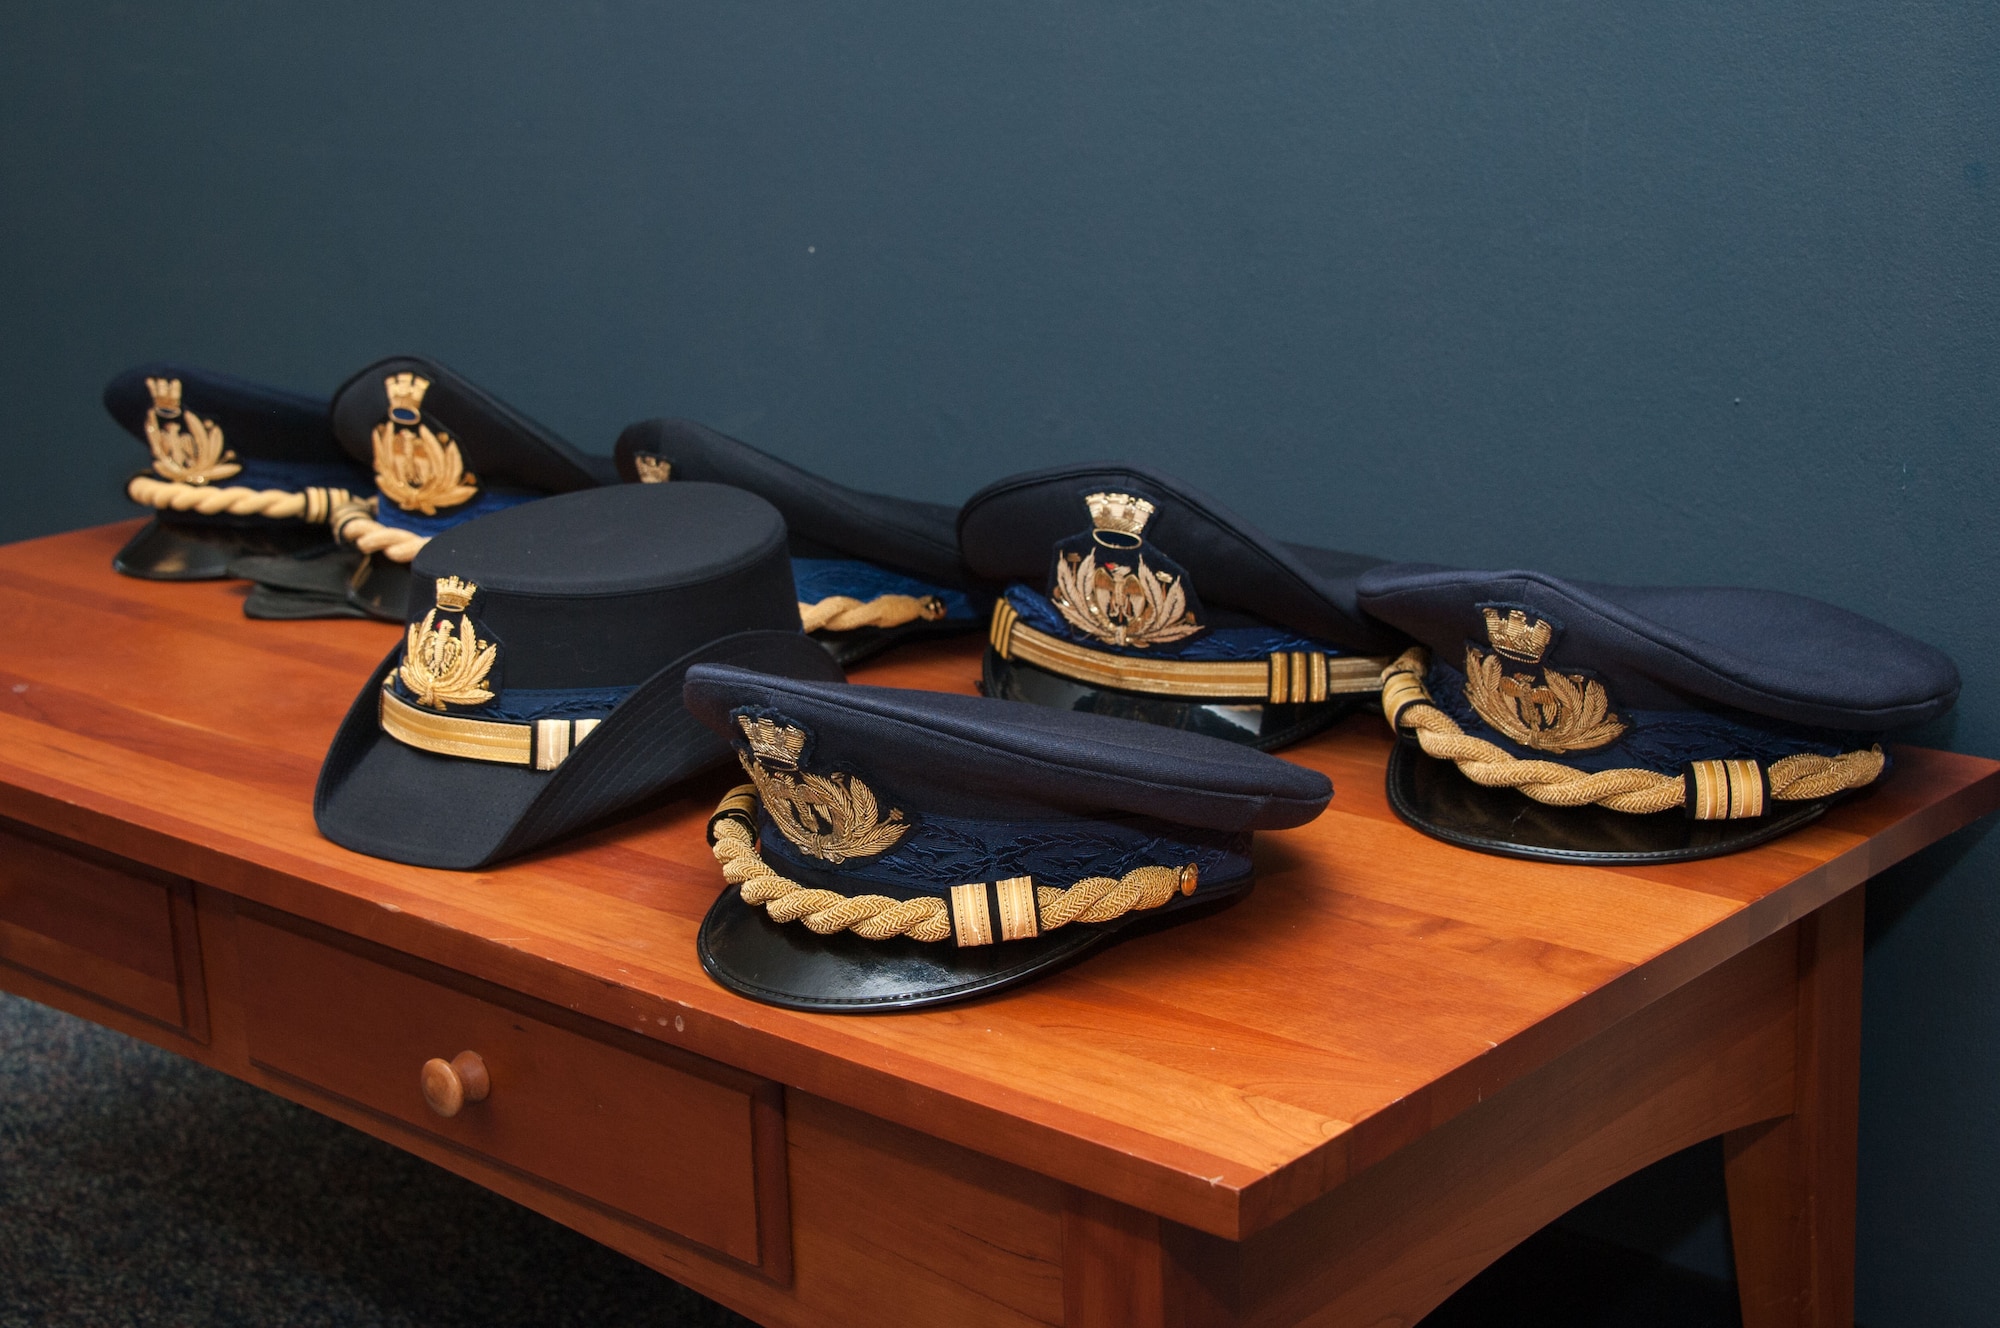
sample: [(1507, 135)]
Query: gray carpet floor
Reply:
[(137, 1188)]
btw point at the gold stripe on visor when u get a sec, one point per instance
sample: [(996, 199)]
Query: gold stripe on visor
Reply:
[(1286, 677)]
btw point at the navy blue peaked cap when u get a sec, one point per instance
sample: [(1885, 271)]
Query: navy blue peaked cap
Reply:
[(443, 451), (258, 421), (1007, 529), (825, 518), (1719, 704), (1129, 593), (538, 687), (503, 446), (1761, 652), (234, 467), (872, 569), (968, 823)]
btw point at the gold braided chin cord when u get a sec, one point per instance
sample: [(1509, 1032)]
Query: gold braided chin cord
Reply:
[(879, 918), (311, 504), (844, 613), (1408, 704), (355, 524)]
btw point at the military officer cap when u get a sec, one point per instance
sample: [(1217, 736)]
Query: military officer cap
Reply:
[(897, 848), (1569, 721), (872, 570), (1132, 594), (236, 467), (538, 686), (442, 451)]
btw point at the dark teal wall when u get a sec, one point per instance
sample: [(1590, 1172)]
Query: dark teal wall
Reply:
[(1704, 295)]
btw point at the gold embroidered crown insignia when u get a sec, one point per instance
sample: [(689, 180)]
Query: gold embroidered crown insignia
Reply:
[(771, 742), (832, 817), (445, 663), (652, 469), (1120, 512), (453, 595), (417, 468), (191, 455), (1514, 637), (166, 393), (1555, 713), (406, 397)]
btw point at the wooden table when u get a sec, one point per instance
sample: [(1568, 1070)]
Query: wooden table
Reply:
[(1331, 1104)]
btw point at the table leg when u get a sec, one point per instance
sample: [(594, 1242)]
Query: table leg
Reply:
[(1126, 1268), (1791, 1180)]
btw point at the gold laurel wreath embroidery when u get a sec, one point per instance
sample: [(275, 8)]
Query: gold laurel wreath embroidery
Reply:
[(441, 669), (878, 917), (196, 456), (1120, 607), (1407, 703), (420, 470), (831, 817), (1560, 713)]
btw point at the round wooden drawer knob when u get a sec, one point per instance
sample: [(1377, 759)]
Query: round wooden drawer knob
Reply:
[(449, 1085)]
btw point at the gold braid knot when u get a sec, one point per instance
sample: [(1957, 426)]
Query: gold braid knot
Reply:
[(879, 918), (354, 524), (1408, 704), (844, 613), (313, 504)]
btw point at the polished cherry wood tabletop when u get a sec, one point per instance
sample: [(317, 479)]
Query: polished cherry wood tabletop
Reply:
[(1221, 1074)]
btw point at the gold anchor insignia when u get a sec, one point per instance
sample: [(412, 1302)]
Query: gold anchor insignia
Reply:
[(1112, 602), (194, 457), (831, 817), (416, 468), (652, 469), (1558, 713), (441, 668)]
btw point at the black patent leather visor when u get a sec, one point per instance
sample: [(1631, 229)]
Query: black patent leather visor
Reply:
[(165, 550), (786, 965)]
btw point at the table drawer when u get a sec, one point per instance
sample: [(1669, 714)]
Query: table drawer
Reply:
[(676, 1141), (109, 929)]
